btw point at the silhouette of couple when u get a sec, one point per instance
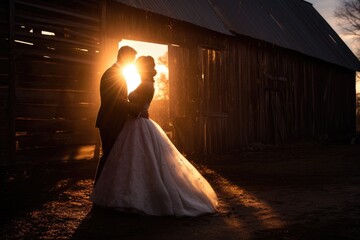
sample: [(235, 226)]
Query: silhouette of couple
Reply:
[(141, 171)]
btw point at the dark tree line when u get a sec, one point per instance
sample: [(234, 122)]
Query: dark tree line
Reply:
[(348, 14)]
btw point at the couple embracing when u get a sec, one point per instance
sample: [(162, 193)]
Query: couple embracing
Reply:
[(141, 171)]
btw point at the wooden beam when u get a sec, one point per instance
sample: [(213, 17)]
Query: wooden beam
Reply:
[(12, 84), (103, 35), (86, 36), (55, 21), (57, 10)]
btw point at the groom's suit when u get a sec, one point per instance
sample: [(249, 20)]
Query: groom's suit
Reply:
[(113, 110)]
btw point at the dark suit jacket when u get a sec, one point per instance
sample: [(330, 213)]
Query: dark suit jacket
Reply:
[(113, 93)]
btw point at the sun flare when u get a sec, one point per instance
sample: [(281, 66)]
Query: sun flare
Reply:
[(162, 69), (132, 77)]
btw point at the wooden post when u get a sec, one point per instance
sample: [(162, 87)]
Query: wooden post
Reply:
[(103, 6), (12, 104)]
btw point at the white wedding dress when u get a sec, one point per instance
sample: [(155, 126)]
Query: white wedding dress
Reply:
[(145, 173)]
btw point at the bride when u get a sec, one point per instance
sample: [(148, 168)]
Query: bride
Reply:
[(144, 172)]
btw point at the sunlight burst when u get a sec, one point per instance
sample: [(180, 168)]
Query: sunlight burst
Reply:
[(162, 69), (132, 77)]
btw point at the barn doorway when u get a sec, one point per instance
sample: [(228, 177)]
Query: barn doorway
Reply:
[(159, 109)]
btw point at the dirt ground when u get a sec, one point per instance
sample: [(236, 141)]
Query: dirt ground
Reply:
[(303, 191)]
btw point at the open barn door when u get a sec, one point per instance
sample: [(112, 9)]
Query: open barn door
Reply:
[(182, 78)]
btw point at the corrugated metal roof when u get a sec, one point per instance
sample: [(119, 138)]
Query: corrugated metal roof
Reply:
[(197, 12), (291, 24)]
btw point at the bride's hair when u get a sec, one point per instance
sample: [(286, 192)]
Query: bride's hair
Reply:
[(145, 65)]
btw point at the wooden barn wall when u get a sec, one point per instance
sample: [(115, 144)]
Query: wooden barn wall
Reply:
[(268, 95), (56, 48), (278, 96)]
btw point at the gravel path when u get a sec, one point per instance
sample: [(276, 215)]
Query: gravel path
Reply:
[(290, 192)]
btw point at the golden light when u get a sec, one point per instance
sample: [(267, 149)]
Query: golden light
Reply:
[(132, 77), (157, 51), (260, 212), (162, 69), (161, 82)]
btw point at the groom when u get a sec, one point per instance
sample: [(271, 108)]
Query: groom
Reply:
[(114, 107)]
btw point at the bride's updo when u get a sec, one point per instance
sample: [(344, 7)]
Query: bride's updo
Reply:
[(145, 65)]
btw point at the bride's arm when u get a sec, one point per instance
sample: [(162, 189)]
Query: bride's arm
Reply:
[(133, 97), (136, 103)]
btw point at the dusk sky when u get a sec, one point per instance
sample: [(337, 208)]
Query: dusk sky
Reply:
[(326, 8)]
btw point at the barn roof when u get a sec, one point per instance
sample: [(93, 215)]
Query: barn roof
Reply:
[(197, 12), (291, 24)]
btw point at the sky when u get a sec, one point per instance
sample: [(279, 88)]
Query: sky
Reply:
[(327, 8)]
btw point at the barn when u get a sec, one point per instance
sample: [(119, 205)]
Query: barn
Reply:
[(239, 73)]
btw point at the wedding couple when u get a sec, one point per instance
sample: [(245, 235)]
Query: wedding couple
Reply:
[(141, 170)]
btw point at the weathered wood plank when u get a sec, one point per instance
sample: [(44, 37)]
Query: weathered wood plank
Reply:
[(4, 65), (53, 96), (85, 36), (54, 125), (47, 67), (54, 82), (4, 116), (52, 9), (47, 111), (57, 153), (4, 93), (41, 54), (4, 157), (4, 47), (75, 25), (58, 139), (4, 138), (4, 27), (51, 75), (58, 42)]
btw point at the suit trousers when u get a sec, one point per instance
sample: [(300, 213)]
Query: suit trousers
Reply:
[(108, 137)]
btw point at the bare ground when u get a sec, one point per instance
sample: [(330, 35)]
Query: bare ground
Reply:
[(291, 192)]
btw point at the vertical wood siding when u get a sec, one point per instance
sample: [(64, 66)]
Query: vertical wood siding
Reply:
[(284, 96), (57, 48)]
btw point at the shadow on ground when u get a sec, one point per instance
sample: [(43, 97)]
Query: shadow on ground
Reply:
[(293, 192)]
